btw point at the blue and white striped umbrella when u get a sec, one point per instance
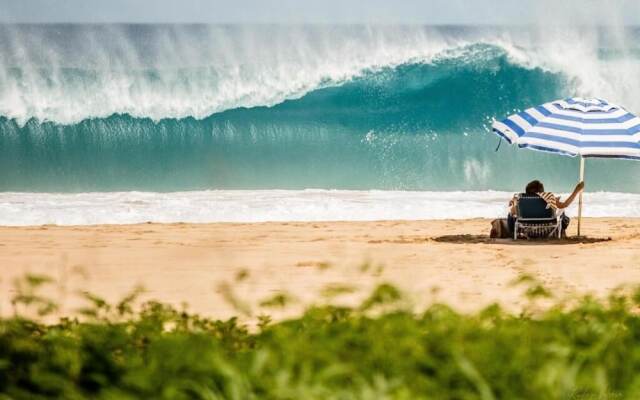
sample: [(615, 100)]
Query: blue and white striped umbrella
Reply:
[(575, 127)]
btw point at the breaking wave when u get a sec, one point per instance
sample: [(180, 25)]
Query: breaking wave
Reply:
[(165, 108)]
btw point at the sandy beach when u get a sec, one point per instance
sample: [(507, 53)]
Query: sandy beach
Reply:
[(452, 261)]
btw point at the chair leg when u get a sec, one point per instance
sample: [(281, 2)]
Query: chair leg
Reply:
[(559, 229)]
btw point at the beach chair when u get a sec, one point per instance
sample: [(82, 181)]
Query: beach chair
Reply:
[(535, 220)]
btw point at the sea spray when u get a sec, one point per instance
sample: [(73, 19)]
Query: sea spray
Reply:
[(67, 73)]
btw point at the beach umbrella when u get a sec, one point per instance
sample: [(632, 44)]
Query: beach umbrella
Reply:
[(575, 127)]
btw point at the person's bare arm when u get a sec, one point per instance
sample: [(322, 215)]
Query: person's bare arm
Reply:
[(564, 204), (512, 206)]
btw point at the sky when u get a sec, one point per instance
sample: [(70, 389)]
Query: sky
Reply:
[(492, 12)]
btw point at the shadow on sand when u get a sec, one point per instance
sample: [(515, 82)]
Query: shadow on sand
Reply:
[(472, 239)]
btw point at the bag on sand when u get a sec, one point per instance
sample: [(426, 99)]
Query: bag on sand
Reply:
[(499, 229)]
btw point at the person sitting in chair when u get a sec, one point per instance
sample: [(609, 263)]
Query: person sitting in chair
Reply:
[(553, 201)]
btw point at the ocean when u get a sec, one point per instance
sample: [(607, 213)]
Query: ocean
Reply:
[(205, 123)]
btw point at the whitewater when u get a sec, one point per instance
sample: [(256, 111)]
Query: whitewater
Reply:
[(205, 123), (241, 206), (69, 73)]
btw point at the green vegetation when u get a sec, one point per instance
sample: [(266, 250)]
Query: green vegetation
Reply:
[(579, 349)]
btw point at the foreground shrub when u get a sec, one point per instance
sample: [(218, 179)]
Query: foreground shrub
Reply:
[(589, 350)]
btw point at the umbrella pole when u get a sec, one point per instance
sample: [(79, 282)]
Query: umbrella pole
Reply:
[(580, 195)]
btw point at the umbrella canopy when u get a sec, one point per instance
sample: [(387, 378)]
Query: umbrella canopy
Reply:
[(575, 127)]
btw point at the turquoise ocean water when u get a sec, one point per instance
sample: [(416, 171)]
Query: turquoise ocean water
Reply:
[(166, 108)]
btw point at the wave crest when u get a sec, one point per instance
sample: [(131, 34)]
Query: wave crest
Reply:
[(66, 74)]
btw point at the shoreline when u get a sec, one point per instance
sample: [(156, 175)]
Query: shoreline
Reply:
[(248, 206), (449, 261)]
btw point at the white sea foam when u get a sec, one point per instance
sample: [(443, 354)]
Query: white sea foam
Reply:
[(178, 71), (277, 205)]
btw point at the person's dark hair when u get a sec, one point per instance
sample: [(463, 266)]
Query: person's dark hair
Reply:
[(534, 187)]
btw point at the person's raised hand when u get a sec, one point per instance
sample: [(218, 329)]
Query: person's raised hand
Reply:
[(580, 186)]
